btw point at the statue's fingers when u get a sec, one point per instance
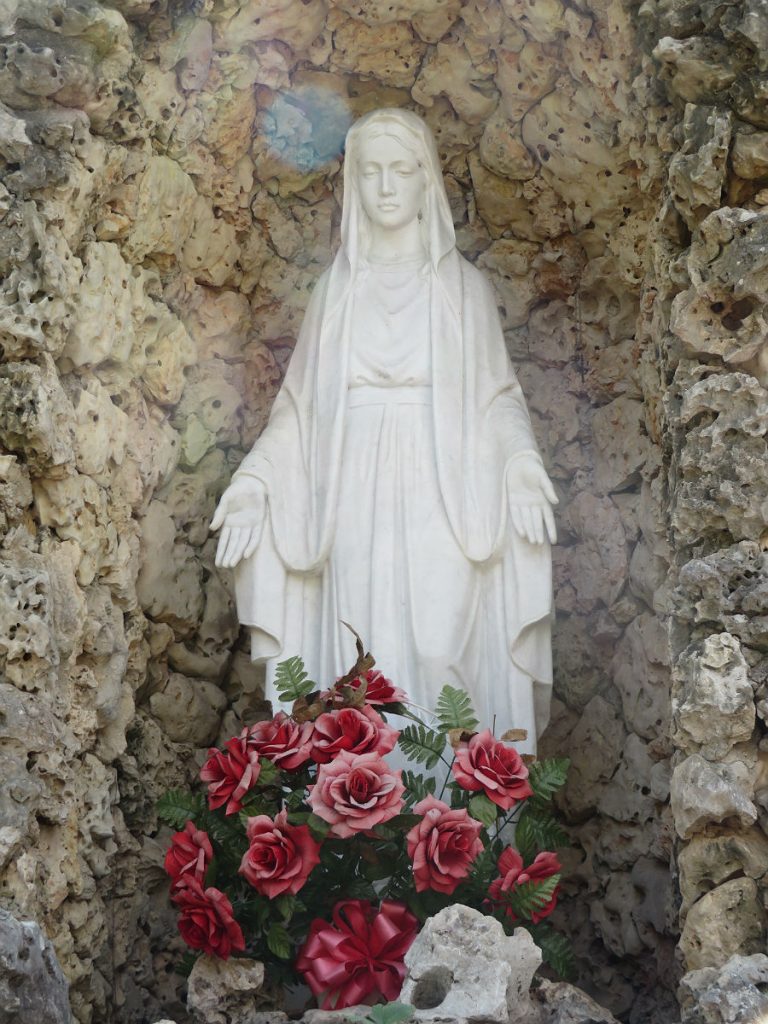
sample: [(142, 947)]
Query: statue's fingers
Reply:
[(253, 541), (538, 524), (234, 536), (530, 532), (549, 519), (218, 515), (222, 547), (548, 488), (517, 520), (242, 541)]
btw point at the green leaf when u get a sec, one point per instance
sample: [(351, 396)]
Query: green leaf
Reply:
[(422, 745), (285, 906), (279, 941), (227, 832), (537, 830), (417, 788), (269, 774), (291, 680), (318, 826), (454, 710), (530, 897), (482, 809), (555, 948), (177, 807), (388, 1013), (482, 871), (299, 817), (187, 962), (404, 821), (253, 912), (546, 777), (360, 889)]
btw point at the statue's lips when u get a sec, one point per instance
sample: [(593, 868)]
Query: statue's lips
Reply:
[(388, 207)]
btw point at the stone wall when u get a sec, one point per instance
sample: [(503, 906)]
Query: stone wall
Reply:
[(704, 311), (170, 193)]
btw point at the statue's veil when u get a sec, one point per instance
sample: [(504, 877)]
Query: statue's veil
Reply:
[(436, 220)]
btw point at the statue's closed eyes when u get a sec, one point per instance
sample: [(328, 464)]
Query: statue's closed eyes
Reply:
[(397, 485)]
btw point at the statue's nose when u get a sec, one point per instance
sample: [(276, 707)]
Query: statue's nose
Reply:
[(386, 185)]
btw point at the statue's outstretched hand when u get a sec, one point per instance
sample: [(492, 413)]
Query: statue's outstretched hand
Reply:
[(531, 497), (240, 514)]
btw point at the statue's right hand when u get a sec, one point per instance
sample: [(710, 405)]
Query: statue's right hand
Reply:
[(240, 514)]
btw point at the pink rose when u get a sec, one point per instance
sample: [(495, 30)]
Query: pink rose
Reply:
[(205, 920), (487, 764), (355, 792), (282, 741), (190, 853), (230, 775), (359, 957), (442, 845), (512, 874), (280, 856), (357, 730)]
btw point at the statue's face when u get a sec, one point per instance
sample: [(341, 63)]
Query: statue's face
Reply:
[(390, 180)]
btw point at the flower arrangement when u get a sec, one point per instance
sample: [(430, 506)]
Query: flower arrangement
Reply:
[(310, 852)]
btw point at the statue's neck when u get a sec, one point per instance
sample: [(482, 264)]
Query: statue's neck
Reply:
[(390, 245)]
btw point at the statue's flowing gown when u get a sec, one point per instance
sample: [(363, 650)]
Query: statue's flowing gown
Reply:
[(381, 551)]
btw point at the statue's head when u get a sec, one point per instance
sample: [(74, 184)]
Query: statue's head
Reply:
[(392, 175)]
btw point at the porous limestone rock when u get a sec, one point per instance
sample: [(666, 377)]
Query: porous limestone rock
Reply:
[(224, 991), (702, 793), (730, 993), (723, 313), (707, 861), (32, 986), (621, 444), (728, 586), (170, 194), (561, 1003), (723, 469), (462, 966), (713, 704), (697, 171), (725, 921)]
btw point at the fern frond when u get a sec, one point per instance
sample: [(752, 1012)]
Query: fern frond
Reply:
[(291, 680), (454, 710), (537, 830), (177, 807), (422, 745)]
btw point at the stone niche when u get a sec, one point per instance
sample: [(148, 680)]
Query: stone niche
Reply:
[(169, 193)]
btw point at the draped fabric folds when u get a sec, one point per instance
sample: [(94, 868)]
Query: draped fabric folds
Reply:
[(480, 427)]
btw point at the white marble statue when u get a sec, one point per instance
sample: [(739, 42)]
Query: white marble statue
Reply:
[(397, 485)]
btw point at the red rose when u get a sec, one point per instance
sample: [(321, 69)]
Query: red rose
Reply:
[(280, 856), (355, 792), (358, 730), (487, 764), (206, 920), (380, 690), (442, 845), (282, 741), (359, 957), (512, 874), (190, 853), (230, 775)]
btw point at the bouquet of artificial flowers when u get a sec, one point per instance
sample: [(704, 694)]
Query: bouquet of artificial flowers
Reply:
[(311, 853)]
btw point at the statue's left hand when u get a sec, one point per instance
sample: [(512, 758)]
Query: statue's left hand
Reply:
[(240, 515), (531, 497)]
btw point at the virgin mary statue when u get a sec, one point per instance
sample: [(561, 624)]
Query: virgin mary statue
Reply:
[(397, 485)]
